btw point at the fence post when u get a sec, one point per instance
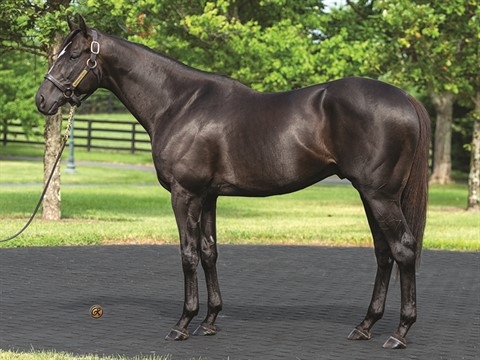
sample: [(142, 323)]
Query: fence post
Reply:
[(89, 135), (132, 149)]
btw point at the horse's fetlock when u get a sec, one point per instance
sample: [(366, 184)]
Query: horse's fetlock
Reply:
[(191, 310), (215, 304), (375, 314), (409, 314)]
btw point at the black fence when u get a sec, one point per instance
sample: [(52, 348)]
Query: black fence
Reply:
[(89, 134)]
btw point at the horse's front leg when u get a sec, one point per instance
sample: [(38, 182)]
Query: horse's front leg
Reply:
[(187, 209), (209, 259)]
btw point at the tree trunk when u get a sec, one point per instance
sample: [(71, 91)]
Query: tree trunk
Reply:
[(442, 161), (474, 176), (53, 128)]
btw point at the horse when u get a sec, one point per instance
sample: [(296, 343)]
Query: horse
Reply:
[(213, 136)]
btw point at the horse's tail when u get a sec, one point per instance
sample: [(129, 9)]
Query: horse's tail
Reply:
[(415, 196)]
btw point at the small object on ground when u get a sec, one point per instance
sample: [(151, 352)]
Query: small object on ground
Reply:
[(96, 311)]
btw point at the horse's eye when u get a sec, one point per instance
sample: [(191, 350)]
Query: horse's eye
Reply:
[(75, 55)]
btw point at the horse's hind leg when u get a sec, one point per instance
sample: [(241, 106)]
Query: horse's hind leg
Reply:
[(389, 217), (382, 279), (209, 259)]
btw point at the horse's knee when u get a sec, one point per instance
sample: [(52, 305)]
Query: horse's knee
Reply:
[(190, 259)]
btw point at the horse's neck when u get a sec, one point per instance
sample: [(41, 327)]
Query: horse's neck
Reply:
[(147, 83)]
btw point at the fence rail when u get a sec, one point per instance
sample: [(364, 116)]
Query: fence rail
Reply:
[(89, 134)]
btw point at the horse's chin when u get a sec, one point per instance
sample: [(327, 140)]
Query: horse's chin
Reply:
[(53, 110)]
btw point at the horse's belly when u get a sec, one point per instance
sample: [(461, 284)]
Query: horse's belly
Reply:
[(273, 178)]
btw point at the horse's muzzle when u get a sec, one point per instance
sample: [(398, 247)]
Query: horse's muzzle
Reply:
[(44, 106)]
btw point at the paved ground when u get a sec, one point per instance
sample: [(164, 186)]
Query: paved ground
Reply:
[(280, 303)]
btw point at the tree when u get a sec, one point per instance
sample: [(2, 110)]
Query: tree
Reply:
[(35, 27)]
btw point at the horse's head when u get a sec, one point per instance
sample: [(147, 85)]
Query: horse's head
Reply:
[(74, 75)]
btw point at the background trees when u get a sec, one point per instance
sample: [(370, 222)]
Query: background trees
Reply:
[(429, 48)]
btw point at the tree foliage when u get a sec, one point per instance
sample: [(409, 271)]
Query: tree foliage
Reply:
[(31, 26), (268, 55), (18, 90)]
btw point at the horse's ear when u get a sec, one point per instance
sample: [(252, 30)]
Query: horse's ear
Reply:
[(82, 25), (71, 24)]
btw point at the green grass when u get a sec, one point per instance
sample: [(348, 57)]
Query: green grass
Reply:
[(104, 205), (115, 157)]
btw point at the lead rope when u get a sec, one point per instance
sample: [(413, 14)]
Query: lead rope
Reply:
[(64, 142)]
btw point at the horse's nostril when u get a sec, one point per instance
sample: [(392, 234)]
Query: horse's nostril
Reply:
[(40, 100)]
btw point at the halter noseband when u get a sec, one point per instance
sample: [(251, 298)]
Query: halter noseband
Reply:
[(69, 90)]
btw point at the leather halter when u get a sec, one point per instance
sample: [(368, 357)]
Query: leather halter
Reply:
[(69, 89)]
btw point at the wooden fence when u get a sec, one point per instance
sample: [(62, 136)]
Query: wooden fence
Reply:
[(89, 134)]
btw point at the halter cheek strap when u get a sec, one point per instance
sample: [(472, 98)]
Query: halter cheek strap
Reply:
[(69, 90)]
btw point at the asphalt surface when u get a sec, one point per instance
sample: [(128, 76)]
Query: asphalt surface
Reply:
[(279, 303)]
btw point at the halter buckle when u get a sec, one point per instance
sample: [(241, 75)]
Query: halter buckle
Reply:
[(95, 47)]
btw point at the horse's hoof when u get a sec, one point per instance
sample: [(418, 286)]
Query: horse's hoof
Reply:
[(357, 334), (395, 343), (177, 334), (205, 330)]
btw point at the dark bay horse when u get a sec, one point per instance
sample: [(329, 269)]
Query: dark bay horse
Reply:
[(213, 136)]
